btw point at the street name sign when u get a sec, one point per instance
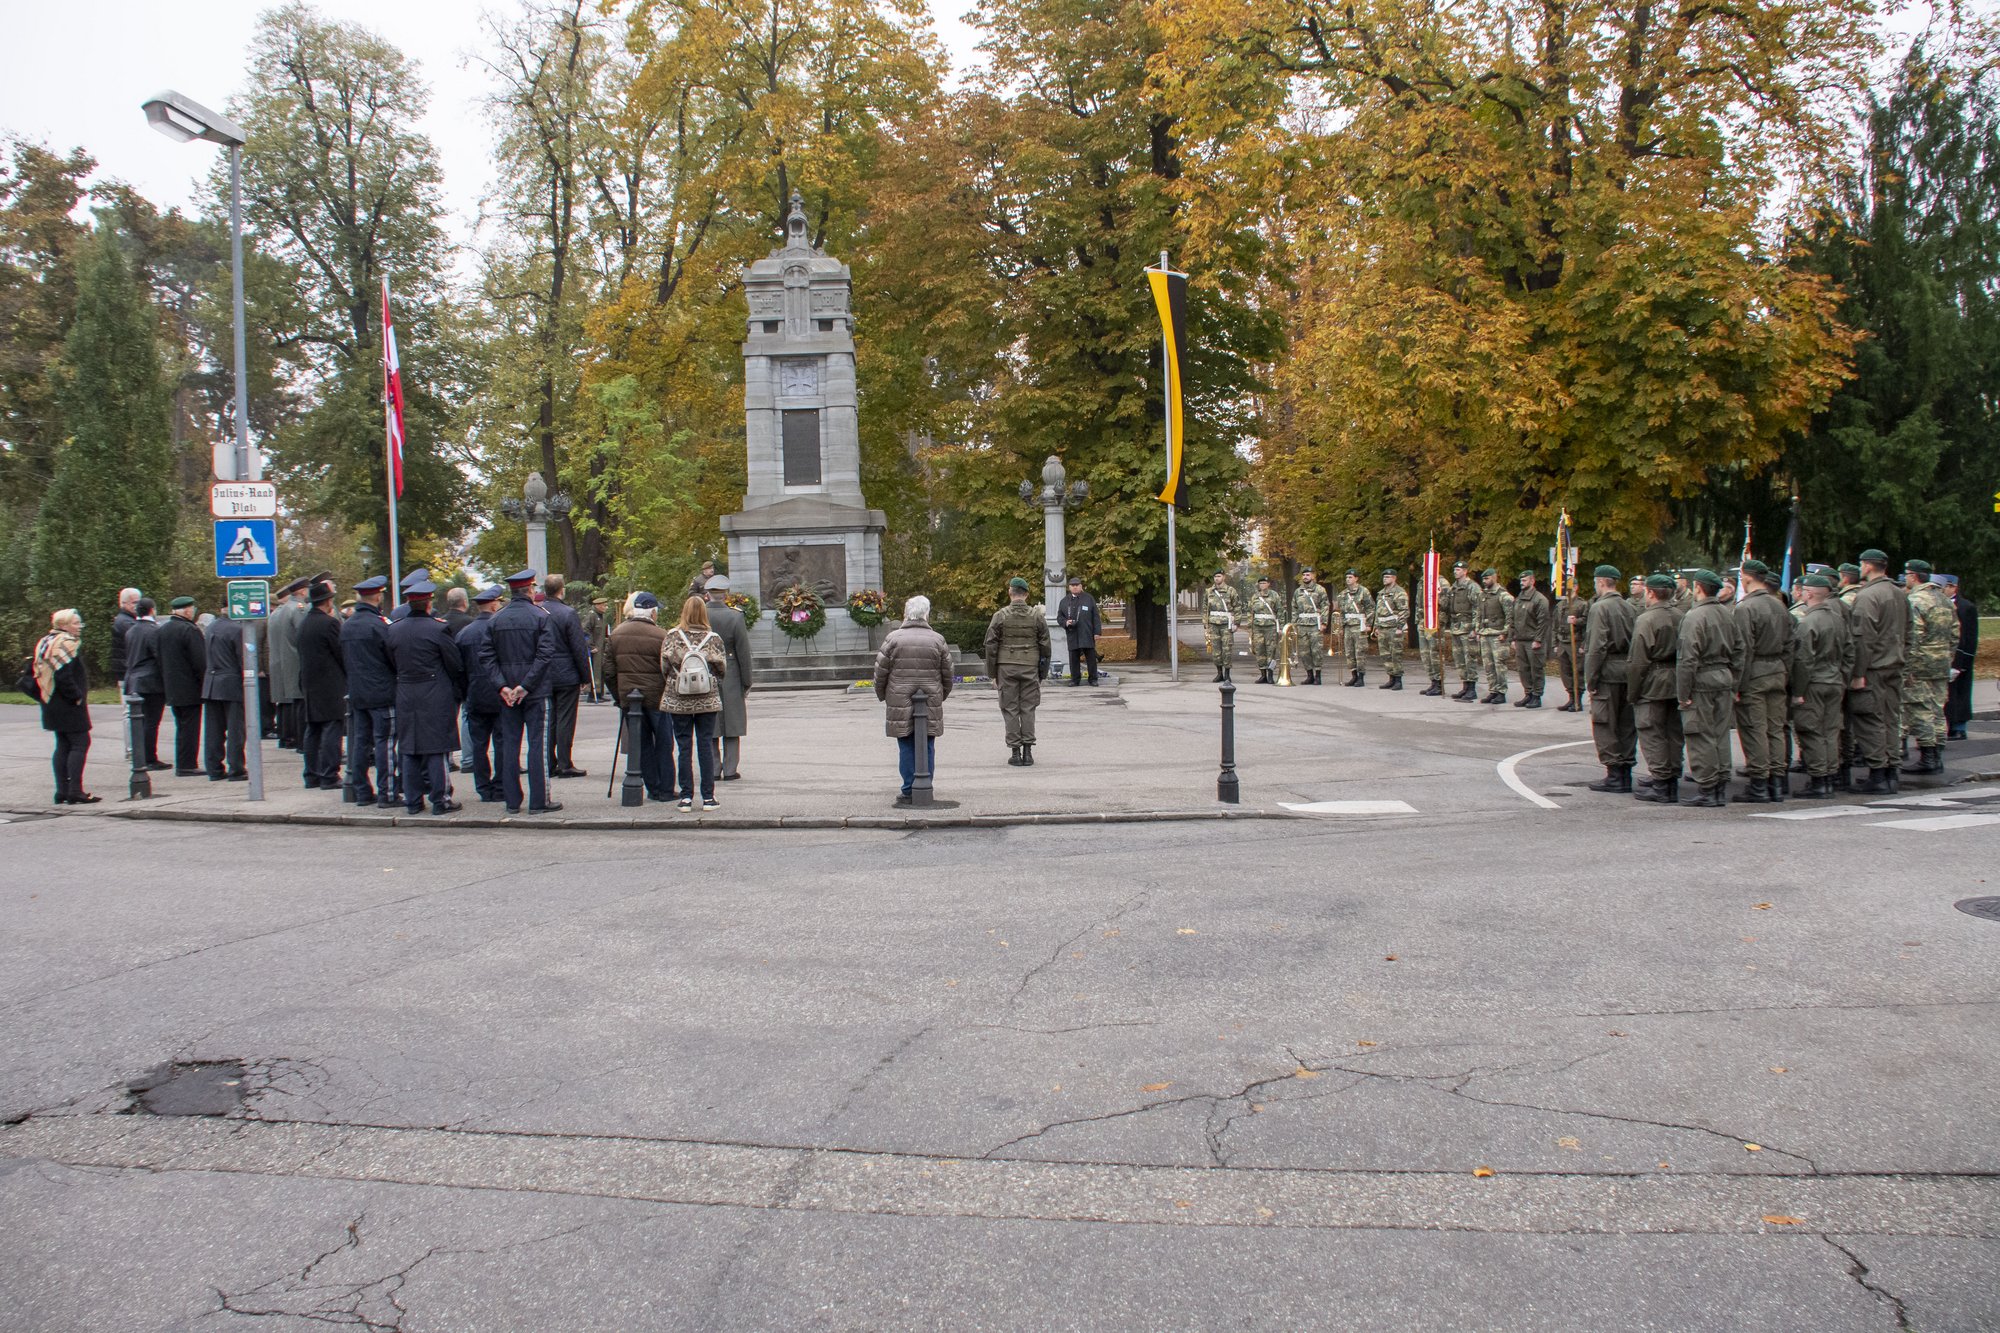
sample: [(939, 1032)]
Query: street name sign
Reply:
[(246, 548), (243, 499), (249, 599)]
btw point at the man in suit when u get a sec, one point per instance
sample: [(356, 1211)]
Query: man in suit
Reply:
[(481, 723), (183, 670), (143, 678), (567, 672), (222, 703), (728, 624), (371, 693), (429, 680), (322, 690), (287, 614), (516, 657), (1077, 614)]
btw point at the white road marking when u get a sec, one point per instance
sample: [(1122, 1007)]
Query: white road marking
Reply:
[(1824, 812), (1351, 807), (1507, 775), (1940, 798), (1933, 822)]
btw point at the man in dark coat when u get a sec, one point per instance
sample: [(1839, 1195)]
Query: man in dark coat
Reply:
[(288, 612), (222, 703), (728, 624), (143, 678), (429, 679), (567, 672), (121, 627), (183, 670), (371, 692), (1958, 698), (323, 689), (482, 700), (1077, 614), (516, 658), (410, 580)]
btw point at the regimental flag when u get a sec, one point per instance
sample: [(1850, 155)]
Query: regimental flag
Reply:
[(392, 393), (1170, 298), (1791, 549), (1431, 590), (1565, 559)]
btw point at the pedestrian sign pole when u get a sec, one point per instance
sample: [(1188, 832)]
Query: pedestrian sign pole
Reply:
[(246, 554)]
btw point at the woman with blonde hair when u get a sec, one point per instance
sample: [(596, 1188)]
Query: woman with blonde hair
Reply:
[(693, 659), (62, 683)]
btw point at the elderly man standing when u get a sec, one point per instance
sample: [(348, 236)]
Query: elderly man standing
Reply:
[(144, 677), (183, 668), (1017, 643), (632, 660), (323, 685), (288, 613), (1077, 613), (914, 657), (728, 624)]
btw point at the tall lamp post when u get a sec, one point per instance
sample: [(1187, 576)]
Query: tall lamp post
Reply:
[(184, 120), (1053, 499), (536, 508)]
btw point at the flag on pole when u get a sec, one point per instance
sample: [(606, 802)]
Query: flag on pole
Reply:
[(1791, 549), (1745, 556), (1564, 560), (1431, 590), (1170, 298), (392, 393)]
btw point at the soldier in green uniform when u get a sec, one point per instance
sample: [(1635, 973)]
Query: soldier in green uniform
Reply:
[(1267, 622), (1461, 622), (1649, 681), (1933, 641), (1218, 619), (1569, 627), (1845, 588), (1765, 628), (1705, 672), (1310, 612), (1683, 591), (1605, 649), (1434, 644), (1496, 611), (1822, 664), (1881, 629), (1392, 627), (1355, 607), (1635, 597), (1528, 627), (1017, 643)]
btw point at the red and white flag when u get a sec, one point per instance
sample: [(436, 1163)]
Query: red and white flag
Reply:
[(392, 393), (1431, 590)]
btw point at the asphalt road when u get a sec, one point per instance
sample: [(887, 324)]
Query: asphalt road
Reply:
[(1482, 1066)]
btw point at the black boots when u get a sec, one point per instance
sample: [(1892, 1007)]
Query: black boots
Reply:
[(1877, 784), (1534, 701), (1711, 798), (1264, 677), (1028, 755), (1930, 759), (1617, 778), (1395, 683), (1355, 679), (1817, 789), (1218, 673), (1468, 692), (1436, 689), (1664, 792), (1757, 793), (1017, 755), (1494, 698)]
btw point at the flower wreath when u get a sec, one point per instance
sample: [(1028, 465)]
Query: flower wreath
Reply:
[(801, 614), (868, 607), (744, 602)]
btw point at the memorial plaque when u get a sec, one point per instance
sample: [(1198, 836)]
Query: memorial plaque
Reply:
[(821, 566), (802, 463)]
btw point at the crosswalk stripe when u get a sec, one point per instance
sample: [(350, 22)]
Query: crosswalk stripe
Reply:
[(1351, 807), (1940, 798), (1932, 822), (1823, 812)]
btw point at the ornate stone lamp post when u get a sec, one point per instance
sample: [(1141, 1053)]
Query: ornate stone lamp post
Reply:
[(1054, 498), (536, 508)]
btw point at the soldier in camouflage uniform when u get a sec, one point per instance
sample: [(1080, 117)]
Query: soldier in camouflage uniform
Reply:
[(1017, 644), (1355, 607), (1933, 641), (1434, 644), (1218, 612), (1496, 613), (1822, 664), (1267, 622), (1460, 613), (1311, 609), (1392, 627)]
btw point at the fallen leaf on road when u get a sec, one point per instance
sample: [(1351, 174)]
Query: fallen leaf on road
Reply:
[(1567, 1141), (1256, 1108), (1158, 1087), (1614, 1033), (1076, 953), (1303, 1072), (1482, 1171), (1265, 1212), (1388, 958), (1184, 930), (1780, 1069), (1109, 933), (1183, 1203), (1364, 1043), (1762, 907), (1784, 1220), (1753, 1147)]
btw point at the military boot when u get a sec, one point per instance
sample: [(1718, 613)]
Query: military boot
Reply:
[(1758, 792), (1218, 673), (1817, 789), (1028, 755), (1264, 677), (1877, 784), (1778, 788), (1895, 779), (1930, 759), (1710, 798), (1470, 694), (1664, 791), (1437, 688), (1393, 683), (1534, 701), (1617, 778), (1360, 679), (1843, 778), (1014, 756)]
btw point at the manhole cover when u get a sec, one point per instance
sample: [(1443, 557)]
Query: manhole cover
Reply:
[(204, 1087), (1986, 908)]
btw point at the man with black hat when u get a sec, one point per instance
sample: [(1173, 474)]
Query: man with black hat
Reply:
[(323, 685), (1267, 619), (1705, 684), (481, 721), (1528, 627), (728, 625), (1392, 627), (223, 753), (633, 661), (516, 658), (1881, 628), (1649, 681), (568, 670), (1607, 645), (1311, 608), (183, 669), (1933, 641), (1822, 664), (429, 680), (1764, 627), (1017, 642), (371, 694), (410, 580), (288, 612)]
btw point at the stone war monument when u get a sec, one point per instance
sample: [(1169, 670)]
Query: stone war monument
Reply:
[(803, 519)]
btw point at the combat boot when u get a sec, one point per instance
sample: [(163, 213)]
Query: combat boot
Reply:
[(1930, 759), (1778, 788), (1817, 789), (1895, 779), (1218, 673), (1758, 792), (1014, 756), (1665, 791), (1028, 755), (1710, 798), (1264, 676), (1393, 683), (1617, 778), (1437, 688), (1843, 778), (1877, 784), (1494, 698), (1534, 701), (1360, 679)]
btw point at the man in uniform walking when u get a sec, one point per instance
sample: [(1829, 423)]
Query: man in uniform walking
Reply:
[(1017, 643), (1496, 612), (1822, 664), (517, 657), (1764, 627), (1649, 680), (1570, 627), (1354, 608), (1881, 627), (1267, 621), (1528, 627), (1606, 647), (1461, 621), (1311, 608), (1705, 684), (1933, 641), (1392, 625), (1219, 622)]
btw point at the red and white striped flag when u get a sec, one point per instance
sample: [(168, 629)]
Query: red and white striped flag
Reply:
[(1431, 590), (392, 392)]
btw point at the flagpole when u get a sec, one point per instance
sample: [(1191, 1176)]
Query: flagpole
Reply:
[(1173, 562), (389, 457)]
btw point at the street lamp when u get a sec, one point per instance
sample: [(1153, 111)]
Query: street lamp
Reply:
[(1052, 498)]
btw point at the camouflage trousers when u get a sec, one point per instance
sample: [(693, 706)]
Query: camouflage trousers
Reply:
[(1923, 709), (1465, 656), (1221, 643), (1658, 722), (1312, 649), (1493, 654), (1817, 722), (1263, 646), (1390, 642), (1354, 642), (1430, 643)]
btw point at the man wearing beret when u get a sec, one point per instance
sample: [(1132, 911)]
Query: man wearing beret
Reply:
[(1822, 664), (1017, 643), (1765, 628), (1881, 628), (1461, 619), (1312, 610), (1528, 627), (1607, 645), (1933, 641), (1354, 608), (1392, 626), (1218, 622), (1569, 628), (1705, 683), (1649, 680)]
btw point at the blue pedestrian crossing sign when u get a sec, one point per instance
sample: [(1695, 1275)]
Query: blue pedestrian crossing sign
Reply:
[(246, 548)]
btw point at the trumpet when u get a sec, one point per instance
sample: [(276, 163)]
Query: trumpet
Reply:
[(1286, 639)]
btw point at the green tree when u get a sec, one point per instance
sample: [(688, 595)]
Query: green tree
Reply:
[(108, 516)]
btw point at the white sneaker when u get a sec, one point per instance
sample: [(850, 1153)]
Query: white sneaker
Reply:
[(711, 804), (686, 806)]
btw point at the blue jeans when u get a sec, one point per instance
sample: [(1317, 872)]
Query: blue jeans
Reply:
[(906, 758), (695, 733)]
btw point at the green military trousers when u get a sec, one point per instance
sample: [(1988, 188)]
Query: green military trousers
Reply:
[(1612, 725), (1760, 729), (1020, 690), (1705, 727), (1875, 715), (1658, 722), (1817, 722)]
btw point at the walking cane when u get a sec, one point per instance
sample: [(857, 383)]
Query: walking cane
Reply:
[(617, 746)]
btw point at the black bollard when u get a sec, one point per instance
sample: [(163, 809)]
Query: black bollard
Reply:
[(1225, 781), (635, 778), (347, 755), (135, 726), (920, 740)]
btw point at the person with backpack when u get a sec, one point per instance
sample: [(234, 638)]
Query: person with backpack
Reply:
[(693, 659)]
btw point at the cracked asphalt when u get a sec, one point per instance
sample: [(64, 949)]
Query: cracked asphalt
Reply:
[(1485, 1067)]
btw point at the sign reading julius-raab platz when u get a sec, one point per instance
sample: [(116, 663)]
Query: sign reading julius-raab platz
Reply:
[(243, 499)]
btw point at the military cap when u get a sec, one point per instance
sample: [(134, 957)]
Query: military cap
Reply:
[(1819, 569), (320, 594), (1850, 568), (492, 592), (645, 601), (1355, 572), (520, 578), (1660, 582), (180, 602), (1817, 581), (1489, 573), (599, 599), (1307, 570), (293, 587), (1458, 564), (1606, 572), (418, 575), (1017, 584), (1390, 570), (1873, 556), (1917, 567), (1261, 578), (373, 583), (421, 588), (1526, 574), (1755, 568), (1707, 578), (716, 584), (1945, 580)]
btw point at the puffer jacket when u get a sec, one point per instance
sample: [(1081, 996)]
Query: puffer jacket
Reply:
[(913, 655), (678, 644), (631, 660)]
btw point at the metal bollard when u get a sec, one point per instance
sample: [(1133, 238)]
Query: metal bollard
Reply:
[(135, 726), (920, 742), (347, 769), (1225, 781), (634, 792)]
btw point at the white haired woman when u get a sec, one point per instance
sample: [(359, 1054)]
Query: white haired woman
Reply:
[(913, 656), (62, 683)]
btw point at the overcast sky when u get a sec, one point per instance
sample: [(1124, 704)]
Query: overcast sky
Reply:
[(73, 75)]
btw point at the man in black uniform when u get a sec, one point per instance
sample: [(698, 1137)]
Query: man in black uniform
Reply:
[(429, 674), (482, 700), (144, 678), (371, 693), (322, 689), (516, 658), (223, 752), (184, 666), (567, 673)]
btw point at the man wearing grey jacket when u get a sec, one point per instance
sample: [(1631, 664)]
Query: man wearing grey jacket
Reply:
[(729, 626)]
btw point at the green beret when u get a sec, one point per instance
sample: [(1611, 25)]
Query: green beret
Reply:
[(1017, 585), (1660, 582), (1817, 581), (1526, 574), (180, 602), (1355, 573), (1605, 572), (1263, 578), (1873, 556), (1390, 570), (1489, 573), (1917, 567), (1707, 578), (1304, 572), (1755, 568), (1850, 569)]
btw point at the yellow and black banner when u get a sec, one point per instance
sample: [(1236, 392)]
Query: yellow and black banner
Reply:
[(1170, 297)]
